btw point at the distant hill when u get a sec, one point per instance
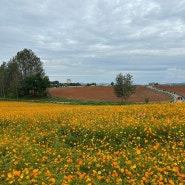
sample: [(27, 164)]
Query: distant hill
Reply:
[(175, 84)]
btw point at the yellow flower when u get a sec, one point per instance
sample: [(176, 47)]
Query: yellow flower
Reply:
[(156, 146), (122, 170), (99, 172), (138, 151), (133, 167), (171, 182), (52, 180), (10, 175), (118, 180), (15, 163), (17, 173)]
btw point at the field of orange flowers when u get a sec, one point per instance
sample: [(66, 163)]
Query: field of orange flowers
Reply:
[(45, 144)]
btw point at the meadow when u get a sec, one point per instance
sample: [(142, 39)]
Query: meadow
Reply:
[(42, 143)]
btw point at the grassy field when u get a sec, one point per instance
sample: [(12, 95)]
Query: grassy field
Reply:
[(44, 143)]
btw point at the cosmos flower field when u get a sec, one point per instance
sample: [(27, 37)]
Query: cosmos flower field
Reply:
[(42, 143)]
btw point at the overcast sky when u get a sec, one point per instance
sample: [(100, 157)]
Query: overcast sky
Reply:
[(94, 40)]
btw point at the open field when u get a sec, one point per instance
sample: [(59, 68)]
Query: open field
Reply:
[(45, 144), (106, 93)]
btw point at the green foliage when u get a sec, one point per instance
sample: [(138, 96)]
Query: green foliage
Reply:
[(147, 100), (29, 64), (55, 84), (123, 87), (3, 80), (91, 84), (23, 75), (35, 85), (112, 83)]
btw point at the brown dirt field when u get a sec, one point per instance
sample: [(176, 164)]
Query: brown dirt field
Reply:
[(106, 93), (176, 89)]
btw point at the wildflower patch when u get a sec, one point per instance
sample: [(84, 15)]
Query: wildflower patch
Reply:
[(67, 144)]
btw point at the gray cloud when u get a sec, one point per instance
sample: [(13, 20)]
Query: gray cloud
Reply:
[(94, 40)]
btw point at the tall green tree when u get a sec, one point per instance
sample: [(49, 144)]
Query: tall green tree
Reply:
[(3, 80), (14, 79), (123, 87), (28, 63), (21, 70), (36, 85)]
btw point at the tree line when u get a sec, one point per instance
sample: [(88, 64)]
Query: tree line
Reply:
[(23, 75)]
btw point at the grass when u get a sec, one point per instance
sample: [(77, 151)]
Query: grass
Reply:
[(44, 143), (67, 101)]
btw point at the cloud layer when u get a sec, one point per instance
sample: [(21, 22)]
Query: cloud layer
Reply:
[(93, 40)]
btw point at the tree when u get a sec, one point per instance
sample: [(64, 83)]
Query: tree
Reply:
[(28, 63), (3, 80), (14, 79), (22, 70), (55, 84), (123, 87), (36, 85)]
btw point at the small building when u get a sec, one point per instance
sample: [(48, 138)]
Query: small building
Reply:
[(68, 81)]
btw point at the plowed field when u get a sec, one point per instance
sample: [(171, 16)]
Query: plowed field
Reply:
[(176, 89), (106, 93)]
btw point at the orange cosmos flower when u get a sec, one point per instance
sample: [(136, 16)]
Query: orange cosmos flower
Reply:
[(52, 180)]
